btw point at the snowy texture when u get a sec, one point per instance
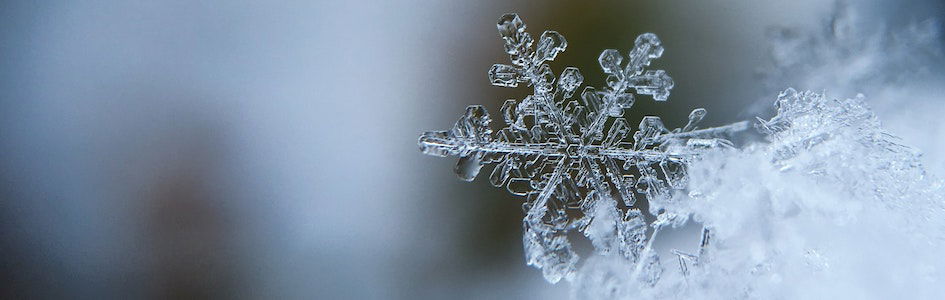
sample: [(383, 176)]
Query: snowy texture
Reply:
[(830, 206), (831, 198), (572, 158)]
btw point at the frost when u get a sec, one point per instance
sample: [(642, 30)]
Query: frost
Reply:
[(574, 159)]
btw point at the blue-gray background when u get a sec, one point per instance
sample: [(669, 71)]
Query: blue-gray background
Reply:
[(235, 149)]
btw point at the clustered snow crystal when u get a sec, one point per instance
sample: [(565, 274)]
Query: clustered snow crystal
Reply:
[(830, 206)]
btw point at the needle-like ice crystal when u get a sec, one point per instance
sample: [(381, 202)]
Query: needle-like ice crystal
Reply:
[(578, 163)]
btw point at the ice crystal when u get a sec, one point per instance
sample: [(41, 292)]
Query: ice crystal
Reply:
[(574, 159)]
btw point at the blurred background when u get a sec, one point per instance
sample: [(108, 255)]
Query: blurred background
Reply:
[(236, 149)]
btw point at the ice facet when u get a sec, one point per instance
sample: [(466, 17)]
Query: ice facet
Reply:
[(571, 79), (468, 167), (610, 60), (549, 45), (512, 30), (544, 79), (656, 83), (646, 48), (650, 128), (504, 75)]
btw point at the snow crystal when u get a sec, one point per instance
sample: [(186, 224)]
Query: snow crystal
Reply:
[(829, 205), (572, 158)]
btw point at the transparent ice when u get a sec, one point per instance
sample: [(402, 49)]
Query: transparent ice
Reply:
[(575, 160), (828, 205)]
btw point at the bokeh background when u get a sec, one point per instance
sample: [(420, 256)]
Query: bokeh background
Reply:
[(237, 149)]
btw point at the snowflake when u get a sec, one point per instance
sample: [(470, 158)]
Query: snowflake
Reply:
[(572, 158)]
